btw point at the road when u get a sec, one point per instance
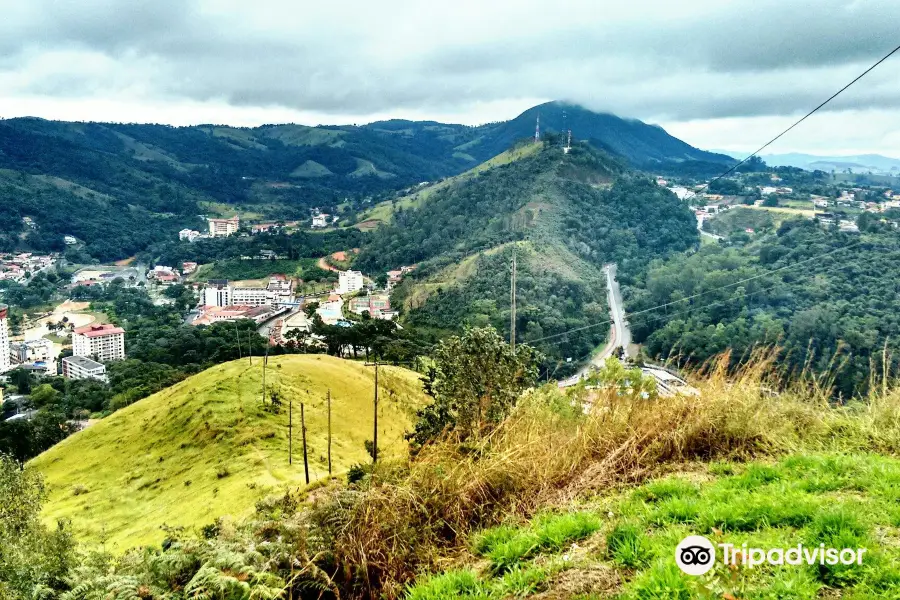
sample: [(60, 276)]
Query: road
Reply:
[(619, 333), (706, 233)]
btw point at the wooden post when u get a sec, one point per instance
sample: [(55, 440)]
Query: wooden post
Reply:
[(237, 334), (329, 432), (303, 431), (249, 346), (291, 432), (375, 434)]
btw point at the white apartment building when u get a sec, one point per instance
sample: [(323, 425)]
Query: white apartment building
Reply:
[(80, 367), (349, 282), (4, 339), (102, 342), (188, 234), (223, 227), (320, 220), (252, 296), (217, 293)]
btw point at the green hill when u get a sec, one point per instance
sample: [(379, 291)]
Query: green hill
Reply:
[(567, 214), (207, 448), (132, 185)]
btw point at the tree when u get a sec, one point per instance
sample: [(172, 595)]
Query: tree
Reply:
[(34, 562), (476, 381)]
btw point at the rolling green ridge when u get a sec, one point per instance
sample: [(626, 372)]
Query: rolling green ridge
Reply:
[(207, 447), (118, 176), (567, 214)]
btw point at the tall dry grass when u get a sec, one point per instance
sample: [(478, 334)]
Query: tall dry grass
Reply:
[(549, 451)]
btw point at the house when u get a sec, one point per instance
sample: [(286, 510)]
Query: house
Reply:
[(263, 228), (661, 181), (188, 267), (766, 190), (825, 218), (80, 367), (69, 240), (223, 227), (848, 226), (784, 190), (320, 220)]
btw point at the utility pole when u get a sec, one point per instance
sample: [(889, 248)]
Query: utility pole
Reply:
[(291, 431), (265, 362), (249, 346), (303, 431), (329, 432), (237, 334), (512, 297), (375, 434)]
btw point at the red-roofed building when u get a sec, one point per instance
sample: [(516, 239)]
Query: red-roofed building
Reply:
[(100, 342)]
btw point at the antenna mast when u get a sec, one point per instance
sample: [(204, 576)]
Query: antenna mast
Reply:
[(537, 129)]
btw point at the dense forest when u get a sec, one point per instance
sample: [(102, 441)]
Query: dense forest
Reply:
[(826, 298)]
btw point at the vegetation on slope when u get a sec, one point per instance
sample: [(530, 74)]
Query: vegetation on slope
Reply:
[(832, 313), (573, 492), (569, 214), (209, 446)]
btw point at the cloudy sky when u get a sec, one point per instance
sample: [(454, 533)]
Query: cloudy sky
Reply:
[(717, 73)]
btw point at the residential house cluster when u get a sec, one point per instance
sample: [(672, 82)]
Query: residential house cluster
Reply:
[(164, 275), (396, 276), (17, 266)]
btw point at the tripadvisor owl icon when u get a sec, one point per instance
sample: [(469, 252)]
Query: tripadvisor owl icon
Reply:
[(695, 555)]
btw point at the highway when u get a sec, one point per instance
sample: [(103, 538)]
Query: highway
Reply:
[(619, 333)]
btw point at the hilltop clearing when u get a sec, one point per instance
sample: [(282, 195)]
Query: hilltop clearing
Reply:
[(206, 447)]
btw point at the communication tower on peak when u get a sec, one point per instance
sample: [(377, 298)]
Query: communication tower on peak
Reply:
[(568, 143), (537, 130)]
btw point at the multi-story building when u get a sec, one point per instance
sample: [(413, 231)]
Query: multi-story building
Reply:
[(81, 367), (252, 296), (281, 285), (223, 227), (102, 342), (349, 282), (189, 235), (217, 293), (31, 351), (4, 338)]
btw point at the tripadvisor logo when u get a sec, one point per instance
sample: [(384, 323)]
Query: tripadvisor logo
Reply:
[(696, 555)]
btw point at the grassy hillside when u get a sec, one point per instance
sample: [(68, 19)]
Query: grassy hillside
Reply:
[(206, 448)]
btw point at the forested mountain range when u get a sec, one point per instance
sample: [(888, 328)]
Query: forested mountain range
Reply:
[(119, 187), (565, 216)]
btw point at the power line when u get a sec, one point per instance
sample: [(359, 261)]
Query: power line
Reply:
[(809, 114), (695, 308), (691, 297)]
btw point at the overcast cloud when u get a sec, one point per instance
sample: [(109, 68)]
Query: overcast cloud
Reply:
[(719, 74)]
